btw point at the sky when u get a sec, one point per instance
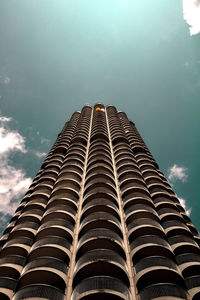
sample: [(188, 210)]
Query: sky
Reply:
[(141, 56)]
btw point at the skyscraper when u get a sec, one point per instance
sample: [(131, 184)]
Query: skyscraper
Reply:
[(100, 221)]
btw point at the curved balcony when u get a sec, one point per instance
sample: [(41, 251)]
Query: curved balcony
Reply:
[(97, 219), (61, 208), (185, 247), (67, 183), (141, 206), (75, 149), (100, 201), (98, 143), (57, 223), (99, 169), (66, 175), (155, 261), (40, 199), (47, 262), (151, 249), (54, 162), (135, 192), (100, 255), (34, 206), (190, 269), (147, 167), (99, 134), (117, 138), (120, 148), (130, 174), (133, 200), (150, 174), (176, 230), (167, 210), (173, 223), (145, 239), (173, 216), (29, 226), (63, 215), (55, 230), (99, 206), (126, 162), (124, 155), (10, 271), (154, 275), (32, 212), (75, 155), (100, 262), (132, 183), (7, 287), (47, 181), (192, 283), (28, 219), (66, 204), (100, 160), (53, 250), (52, 168), (80, 138), (100, 238), (65, 193), (146, 230), (100, 193), (99, 150), (19, 240), (98, 185), (135, 215), (163, 291), (137, 223), (52, 240), (40, 276), (72, 168), (17, 249), (187, 258), (181, 238), (99, 177), (72, 161)]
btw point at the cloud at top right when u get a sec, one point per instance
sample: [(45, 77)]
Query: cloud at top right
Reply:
[(177, 173), (191, 14)]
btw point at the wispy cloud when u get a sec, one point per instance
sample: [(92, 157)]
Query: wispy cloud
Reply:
[(191, 13), (44, 140), (183, 203), (39, 154), (5, 79), (13, 182), (177, 173)]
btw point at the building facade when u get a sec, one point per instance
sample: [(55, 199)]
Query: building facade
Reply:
[(100, 221)]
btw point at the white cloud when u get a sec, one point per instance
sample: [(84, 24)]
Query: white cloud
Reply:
[(39, 154), (183, 203), (10, 140), (177, 173), (13, 182), (5, 119), (6, 80), (44, 140), (191, 13)]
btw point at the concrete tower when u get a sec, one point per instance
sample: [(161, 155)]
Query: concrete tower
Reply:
[(100, 221)]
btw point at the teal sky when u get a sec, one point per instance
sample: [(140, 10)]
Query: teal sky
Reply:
[(56, 56)]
